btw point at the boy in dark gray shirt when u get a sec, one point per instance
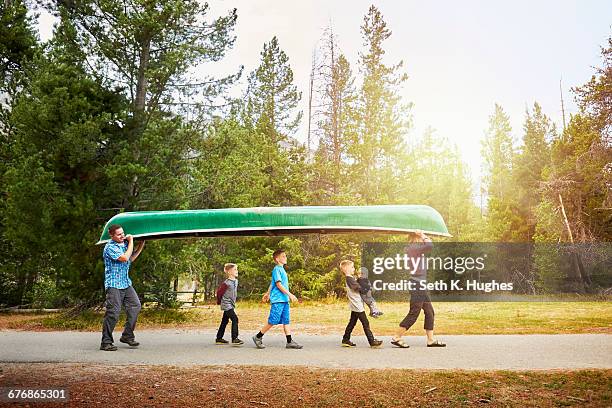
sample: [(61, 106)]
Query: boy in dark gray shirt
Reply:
[(226, 298)]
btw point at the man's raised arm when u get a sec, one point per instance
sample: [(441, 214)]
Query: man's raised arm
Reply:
[(138, 251), (127, 254)]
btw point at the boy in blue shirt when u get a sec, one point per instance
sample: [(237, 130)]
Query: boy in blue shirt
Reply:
[(279, 296)]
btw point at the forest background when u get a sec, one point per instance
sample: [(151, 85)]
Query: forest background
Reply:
[(107, 116)]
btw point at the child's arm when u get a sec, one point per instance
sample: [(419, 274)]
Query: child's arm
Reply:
[(266, 296), (352, 283), (280, 287)]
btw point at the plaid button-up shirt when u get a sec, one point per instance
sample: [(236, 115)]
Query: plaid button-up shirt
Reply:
[(116, 272)]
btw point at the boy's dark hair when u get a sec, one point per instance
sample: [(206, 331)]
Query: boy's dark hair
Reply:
[(113, 228), (277, 253)]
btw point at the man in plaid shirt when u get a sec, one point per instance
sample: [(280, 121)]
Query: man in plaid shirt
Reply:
[(118, 256)]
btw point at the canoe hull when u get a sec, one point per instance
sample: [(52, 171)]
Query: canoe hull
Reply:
[(274, 221)]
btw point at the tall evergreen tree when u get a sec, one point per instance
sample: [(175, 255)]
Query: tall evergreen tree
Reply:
[(18, 46), (383, 120), (498, 154), (335, 99), (271, 112), (272, 95), (98, 131), (18, 49), (146, 49), (580, 171), (59, 172), (528, 171), (594, 96), (18, 43)]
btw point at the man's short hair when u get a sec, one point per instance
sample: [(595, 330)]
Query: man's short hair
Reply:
[(228, 267), (113, 228), (277, 253)]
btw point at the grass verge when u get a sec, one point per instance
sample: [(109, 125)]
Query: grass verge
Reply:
[(330, 317), (239, 386)]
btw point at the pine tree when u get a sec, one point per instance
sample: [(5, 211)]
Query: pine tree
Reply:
[(272, 96), (594, 96), (335, 99), (59, 173), (271, 112), (18, 50), (528, 171), (383, 120), (18, 43), (580, 171), (146, 49), (18, 47), (498, 154)]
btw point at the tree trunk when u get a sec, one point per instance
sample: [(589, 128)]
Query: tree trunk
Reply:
[(141, 86), (581, 280), (140, 102)]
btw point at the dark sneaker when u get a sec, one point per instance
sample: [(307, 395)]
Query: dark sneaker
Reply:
[(130, 342), (221, 341), (379, 314), (375, 343), (293, 345), (237, 342), (348, 343), (108, 347), (374, 315), (258, 342)]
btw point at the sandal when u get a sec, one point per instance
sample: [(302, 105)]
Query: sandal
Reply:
[(399, 343), (436, 343)]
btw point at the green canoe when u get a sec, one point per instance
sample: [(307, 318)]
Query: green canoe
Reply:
[(392, 219)]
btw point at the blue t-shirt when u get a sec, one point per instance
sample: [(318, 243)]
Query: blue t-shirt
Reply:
[(279, 274)]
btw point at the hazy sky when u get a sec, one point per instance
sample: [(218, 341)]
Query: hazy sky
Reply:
[(461, 56)]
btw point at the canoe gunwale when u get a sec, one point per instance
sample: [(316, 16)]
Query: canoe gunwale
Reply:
[(276, 231)]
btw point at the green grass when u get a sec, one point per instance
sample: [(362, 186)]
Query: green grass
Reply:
[(331, 316), (91, 321)]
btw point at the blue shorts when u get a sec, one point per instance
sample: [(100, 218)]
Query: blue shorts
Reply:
[(279, 313)]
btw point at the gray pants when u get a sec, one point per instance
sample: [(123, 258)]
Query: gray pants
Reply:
[(368, 299), (114, 299)]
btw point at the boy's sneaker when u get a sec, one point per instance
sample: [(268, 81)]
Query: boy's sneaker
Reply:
[(108, 347), (237, 342), (374, 315), (258, 343), (375, 343), (221, 341), (348, 343), (293, 345), (379, 314)]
